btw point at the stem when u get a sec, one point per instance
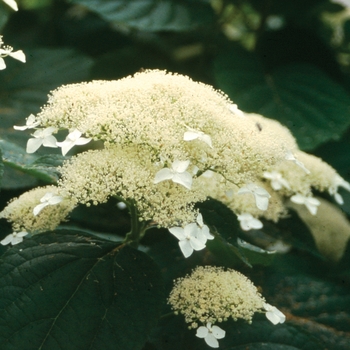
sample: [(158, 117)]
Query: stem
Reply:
[(138, 227)]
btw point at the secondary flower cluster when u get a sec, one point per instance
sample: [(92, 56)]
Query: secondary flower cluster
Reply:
[(167, 142), (213, 295)]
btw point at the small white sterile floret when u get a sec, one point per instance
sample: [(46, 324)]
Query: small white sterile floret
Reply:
[(311, 203), (333, 190), (260, 194), (14, 238), (188, 238), (211, 334), (204, 232), (274, 315), (42, 137), (73, 139), (12, 4), (248, 222), (177, 174), (195, 134), (8, 51), (290, 156), (277, 181), (30, 124), (48, 199)]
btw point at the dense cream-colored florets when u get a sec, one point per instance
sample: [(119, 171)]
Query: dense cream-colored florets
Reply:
[(20, 211), (212, 294)]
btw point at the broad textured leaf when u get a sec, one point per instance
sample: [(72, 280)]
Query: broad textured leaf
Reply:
[(226, 246), (24, 86), (43, 168), (153, 15), (299, 95), (68, 292)]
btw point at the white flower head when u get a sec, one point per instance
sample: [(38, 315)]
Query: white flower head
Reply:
[(260, 194), (42, 137), (74, 138), (274, 315), (204, 232), (8, 51), (248, 222), (14, 238), (333, 190), (311, 203), (188, 238), (177, 174), (200, 135), (30, 124), (12, 4), (48, 199), (290, 156), (211, 334), (277, 181)]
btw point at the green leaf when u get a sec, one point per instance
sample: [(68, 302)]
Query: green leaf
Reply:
[(153, 15), (43, 168), (1, 167), (64, 291), (24, 86), (299, 95), (227, 247)]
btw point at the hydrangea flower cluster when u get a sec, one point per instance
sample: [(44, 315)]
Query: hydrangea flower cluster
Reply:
[(166, 142), (212, 295)]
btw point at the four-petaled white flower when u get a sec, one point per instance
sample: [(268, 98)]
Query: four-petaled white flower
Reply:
[(204, 232), (277, 181), (290, 156), (211, 334), (74, 138), (8, 51), (333, 190), (48, 199), (274, 315), (311, 203), (12, 4), (248, 222), (200, 135), (30, 124), (177, 174), (188, 238), (42, 137), (260, 194), (14, 238)]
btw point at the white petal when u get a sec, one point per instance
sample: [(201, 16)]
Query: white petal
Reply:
[(311, 207), (21, 128), (37, 209), (262, 202), (206, 232), (298, 199), (338, 198), (2, 63), (200, 220), (196, 244), (163, 174), (184, 179), (202, 332), (22, 233), (33, 145), (18, 55), (50, 141), (16, 240), (211, 341), (178, 232), (7, 239), (218, 332), (186, 248), (190, 135), (180, 166), (65, 146), (55, 200), (12, 4)]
